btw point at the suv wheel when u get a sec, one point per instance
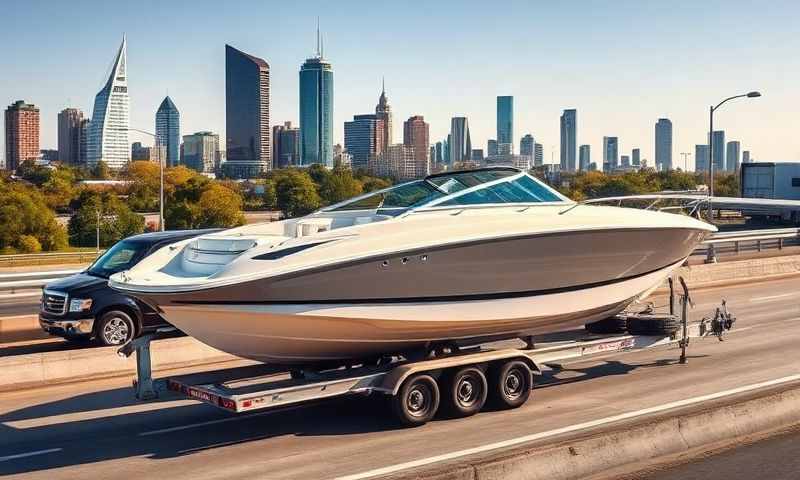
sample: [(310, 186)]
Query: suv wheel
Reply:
[(115, 328)]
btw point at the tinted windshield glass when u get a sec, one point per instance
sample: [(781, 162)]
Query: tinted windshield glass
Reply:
[(462, 180), (398, 198), (520, 190), (122, 256)]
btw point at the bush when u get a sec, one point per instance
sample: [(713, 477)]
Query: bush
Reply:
[(296, 193), (24, 211), (28, 244)]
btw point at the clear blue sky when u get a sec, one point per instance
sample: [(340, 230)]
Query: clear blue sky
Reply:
[(622, 64)]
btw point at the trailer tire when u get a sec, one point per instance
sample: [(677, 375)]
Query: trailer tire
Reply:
[(651, 326), (417, 400), (464, 392), (608, 325), (510, 384)]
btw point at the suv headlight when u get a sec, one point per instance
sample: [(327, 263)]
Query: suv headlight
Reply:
[(80, 304)]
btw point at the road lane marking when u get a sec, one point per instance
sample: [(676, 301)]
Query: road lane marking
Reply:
[(772, 297), (569, 429), (29, 454), (217, 421)]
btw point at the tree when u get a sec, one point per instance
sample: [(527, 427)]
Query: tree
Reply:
[(59, 188), (24, 213), (101, 171), (220, 207), (370, 184), (31, 172), (117, 221), (726, 185), (296, 193), (318, 173), (143, 192), (270, 197), (339, 185)]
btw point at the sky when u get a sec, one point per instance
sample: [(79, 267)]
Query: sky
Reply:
[(622, 64)]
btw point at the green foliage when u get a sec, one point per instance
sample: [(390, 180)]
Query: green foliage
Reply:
[(200, 203), (28, 244), (339, 185), (270, 197), (595, 184), (60, 188), (101, 171), (116, 220), (370, 184), (31, 172), (24, 213), (726, 185), (143, 192), (295, 193)]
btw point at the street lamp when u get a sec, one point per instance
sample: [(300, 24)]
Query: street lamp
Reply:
[(161, 175)]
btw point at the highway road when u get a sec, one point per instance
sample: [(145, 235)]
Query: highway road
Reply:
[(97, 430), (20, 303)]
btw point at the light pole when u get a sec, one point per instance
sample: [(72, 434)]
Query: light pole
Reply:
[(161, 180)]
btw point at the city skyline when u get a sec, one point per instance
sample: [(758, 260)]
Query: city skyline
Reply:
[(196, 80)]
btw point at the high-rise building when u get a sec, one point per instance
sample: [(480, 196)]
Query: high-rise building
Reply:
[(416, 134), (247, 143), (664, 144), (341, 158), (84, 141), (526, 144), (69, 136), (285, 146), (505, 124), (363, 139), (584, 157), (569, 125), (397, 161), (625, 161), (460, 144), (732, 159), (48, 155), (446, 149), (316, 110), (610, 154), (168, 132), (636, 157), (439, 153), (700, 158), (491, 147), (22, 134), (717, 142), (746, 156), (383, 111), (538, 155), (139, 152), (477, 155), (201, 151), (107, 138)]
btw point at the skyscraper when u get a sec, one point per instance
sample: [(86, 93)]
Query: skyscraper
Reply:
[(610, 153), (491, 147), (625, 161), (363, 139), (746, 156), (538, 155), (107, 138), (505, 124), (22, 134), (460, 144), (526, 144), (732, 160), (285, 146), (69, 136), (201, 151), (664, 144), (416, 134), (439, 153), (246, 115), (383, 111), (700, 158), (717, 141), (636, 157), (569, 125), (584, 157), (168, 132), (316, 110)]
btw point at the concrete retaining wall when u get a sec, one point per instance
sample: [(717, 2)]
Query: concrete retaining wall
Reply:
[(588, 456)]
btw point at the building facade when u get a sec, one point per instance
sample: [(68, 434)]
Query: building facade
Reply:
[(285, 146), (247, 142), (538, 155), (69, 136), (397, 161), (610, 154), (363, 140), (526, 145), (636, 158), (701, 158), (139, 152), (663, 144), (168, 131), (491, 147), (22, 134), (746, 156), (201, 151), (717, 142), (383, 111), (459, 143), (107, 138), (584, 157), (505, 124), (569, 127), (416, 133), (733, 155), (316, 111)]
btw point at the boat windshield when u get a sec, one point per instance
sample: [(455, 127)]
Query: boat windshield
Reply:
[(457, 188)]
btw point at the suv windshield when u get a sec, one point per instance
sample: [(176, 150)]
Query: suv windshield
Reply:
[(122, 256)]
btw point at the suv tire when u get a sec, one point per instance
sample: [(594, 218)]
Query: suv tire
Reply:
[(115, 328)]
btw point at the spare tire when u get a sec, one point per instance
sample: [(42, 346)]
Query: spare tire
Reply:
[(614, 324), (653, 326)]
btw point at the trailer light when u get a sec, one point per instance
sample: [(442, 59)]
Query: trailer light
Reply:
[(247, 404), (80, 304)]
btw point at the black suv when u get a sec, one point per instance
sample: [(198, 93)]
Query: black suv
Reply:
[(83, 306)]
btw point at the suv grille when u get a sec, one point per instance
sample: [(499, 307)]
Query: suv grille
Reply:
[(54, 303)]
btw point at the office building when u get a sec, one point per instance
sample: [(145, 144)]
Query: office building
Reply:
[(636, 158), (397, 161), (491, 147), (416, 134), (746, 156), (341, 158), (610, 154), (569, 125), (168, 132), (717, 142), (439, 153), (663, 144), (505, 124), (526, 145), (139, 152), (47, 155), (625, 161), (247, 142), (477, 155), (459, 142), (69, 136), (584, 157), (316, 110), (201, 151), (107, 138), (538, 155), (22, 134), (363, 139), (383, 111), (700, 158), (84, 141), (286, 146), (732, 155)]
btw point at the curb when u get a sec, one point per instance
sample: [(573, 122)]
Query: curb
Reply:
[(643, 441)]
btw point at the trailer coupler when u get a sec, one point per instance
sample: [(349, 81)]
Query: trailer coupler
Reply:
[(722, 321)]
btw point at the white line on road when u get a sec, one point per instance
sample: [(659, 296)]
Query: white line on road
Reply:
[(29, 454), (772, 297), (572, 428), (214, 422)]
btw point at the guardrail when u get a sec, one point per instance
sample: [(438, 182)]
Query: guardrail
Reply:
[(53, 258), (776, 235), (12, 282)]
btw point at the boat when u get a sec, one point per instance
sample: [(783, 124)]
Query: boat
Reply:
[(457, 258)]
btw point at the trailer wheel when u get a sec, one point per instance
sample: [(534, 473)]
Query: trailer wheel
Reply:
[(511, 384), (417, 401), (608, 325), (465, 392), (652, 326)]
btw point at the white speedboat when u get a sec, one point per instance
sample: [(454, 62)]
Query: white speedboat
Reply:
[(455, 258)]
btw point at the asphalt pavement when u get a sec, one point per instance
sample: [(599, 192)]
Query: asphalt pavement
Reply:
[(97, 429)]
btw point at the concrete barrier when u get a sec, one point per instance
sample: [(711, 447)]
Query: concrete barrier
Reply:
[(21, 371), (646, 441), (736, 272)]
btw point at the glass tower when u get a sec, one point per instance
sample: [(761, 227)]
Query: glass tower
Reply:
[(664, 144), (569, 126), (168, 132), (107, 138), (316, 110), (505, 123)]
